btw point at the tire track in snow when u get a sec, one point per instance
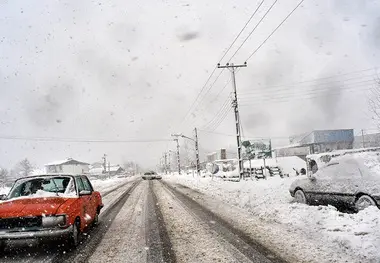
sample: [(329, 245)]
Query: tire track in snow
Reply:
[(157, 239), (254, 251), (88, 245), (193, 241), (31, 251), (125, 238)]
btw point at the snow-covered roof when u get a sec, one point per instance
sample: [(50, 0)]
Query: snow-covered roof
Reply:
[(65, 161), (99, 170), (114, 168)]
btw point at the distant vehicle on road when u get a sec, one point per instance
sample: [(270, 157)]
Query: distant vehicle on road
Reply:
[(348, 181), (151, 176), (55, 206)]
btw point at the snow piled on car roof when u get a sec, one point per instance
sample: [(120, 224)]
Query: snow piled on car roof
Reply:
[(367, 163)]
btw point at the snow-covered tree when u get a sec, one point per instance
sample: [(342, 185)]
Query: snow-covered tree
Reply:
[(23, 168), (3, 174)]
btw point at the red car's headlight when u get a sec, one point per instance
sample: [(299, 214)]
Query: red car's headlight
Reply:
[(54, 221)]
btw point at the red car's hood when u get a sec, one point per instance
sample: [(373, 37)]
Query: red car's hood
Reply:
[(30, 206)]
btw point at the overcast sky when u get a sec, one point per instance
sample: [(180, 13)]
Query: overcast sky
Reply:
[(126, 70)]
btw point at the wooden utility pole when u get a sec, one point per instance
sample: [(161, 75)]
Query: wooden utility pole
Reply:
[(197, 152), (178, 157), (104, 163), (363, 138), (166, 162), (232, 68)]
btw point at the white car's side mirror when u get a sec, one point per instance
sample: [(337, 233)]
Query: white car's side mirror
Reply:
[(312, 178)]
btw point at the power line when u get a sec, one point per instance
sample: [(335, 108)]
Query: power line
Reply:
[(253, 30), (220, 113), (317, 86), (358, 87), (304, 92), (74, 140), (208, 90), (199, 94), (221, 119), (286, 98), (270, 35), (212, 73), (234, 135), (241, 31), (217, 133), (329, 77), (222, 109)]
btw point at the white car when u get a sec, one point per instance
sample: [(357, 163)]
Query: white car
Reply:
[(151, 176), (348, 181)]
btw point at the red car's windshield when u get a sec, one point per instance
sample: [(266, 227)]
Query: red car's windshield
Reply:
[(43, 186)]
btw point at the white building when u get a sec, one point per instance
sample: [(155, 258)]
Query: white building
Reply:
[(68, 165)]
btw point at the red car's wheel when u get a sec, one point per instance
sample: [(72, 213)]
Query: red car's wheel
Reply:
[(96, 219), (2, 246), (75, 235)]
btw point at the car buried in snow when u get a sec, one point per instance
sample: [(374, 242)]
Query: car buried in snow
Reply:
[(346, 180), (43, 207)]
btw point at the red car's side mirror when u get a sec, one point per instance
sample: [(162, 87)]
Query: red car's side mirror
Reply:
[(84, 192)]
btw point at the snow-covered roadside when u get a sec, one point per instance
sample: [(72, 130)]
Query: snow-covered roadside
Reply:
[(107, 184), (270, 201)]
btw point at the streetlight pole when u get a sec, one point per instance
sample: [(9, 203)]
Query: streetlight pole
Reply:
[(196, 147)]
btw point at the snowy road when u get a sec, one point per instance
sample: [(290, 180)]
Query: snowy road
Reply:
[(159, 224), (153, 221), (114, 197)]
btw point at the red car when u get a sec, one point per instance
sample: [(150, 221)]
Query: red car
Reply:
[(49, 207)]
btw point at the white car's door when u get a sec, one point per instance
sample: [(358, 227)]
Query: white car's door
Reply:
[(338, 184), (345, 184)]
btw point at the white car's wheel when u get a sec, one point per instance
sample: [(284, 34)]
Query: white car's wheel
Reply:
[(300, 197), (363, 202)]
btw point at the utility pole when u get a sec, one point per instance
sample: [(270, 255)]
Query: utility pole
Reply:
[(170, 161), (104, 163), (166, 163), (232, 68), (178, 157), (197, 152), (363, 138)]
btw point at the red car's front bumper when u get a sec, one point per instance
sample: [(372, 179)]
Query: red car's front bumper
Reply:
[(43, 233)]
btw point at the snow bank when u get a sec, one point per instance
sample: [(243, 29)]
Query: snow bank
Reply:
[(270, 201), (285, 163), (106, 184)]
